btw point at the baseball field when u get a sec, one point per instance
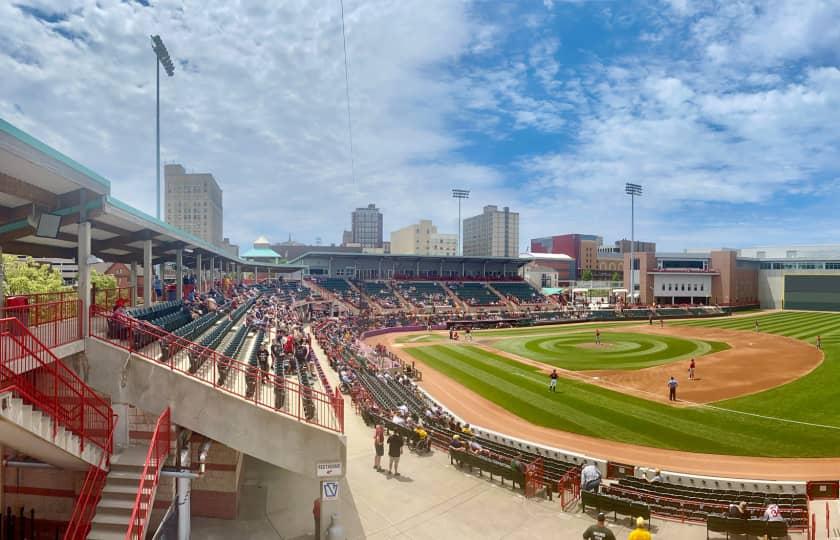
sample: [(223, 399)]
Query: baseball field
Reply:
[(768, 393)]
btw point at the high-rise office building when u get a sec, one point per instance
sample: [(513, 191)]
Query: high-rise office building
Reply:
[(194, 203), (423, 239), (493, 233), (367, 227)]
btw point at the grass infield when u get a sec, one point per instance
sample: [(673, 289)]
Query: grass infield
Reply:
[(590, 410), (618, 350)]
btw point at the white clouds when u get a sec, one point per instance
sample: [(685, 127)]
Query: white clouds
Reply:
[(261, 104), (727, 102)]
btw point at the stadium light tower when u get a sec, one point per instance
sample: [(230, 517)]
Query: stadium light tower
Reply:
[(460, 194), (634, 190), (161, 57)]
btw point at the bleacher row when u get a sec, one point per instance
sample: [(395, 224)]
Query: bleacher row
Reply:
[(342, 289), (696, 504), (475, 294)]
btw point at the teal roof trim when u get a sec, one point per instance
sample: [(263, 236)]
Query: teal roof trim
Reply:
[(260, 253), (28, 139)]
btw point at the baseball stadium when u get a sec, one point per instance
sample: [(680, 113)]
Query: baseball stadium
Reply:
[(253, 398)]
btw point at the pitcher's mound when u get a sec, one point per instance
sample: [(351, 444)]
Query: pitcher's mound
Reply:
[(594, 345)]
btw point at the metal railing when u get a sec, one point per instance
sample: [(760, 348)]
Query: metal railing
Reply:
[(53, 323), (85, 509), (29, 369), (155, 458), (264, 389), (107, 298), (43, 298), (568, 488)]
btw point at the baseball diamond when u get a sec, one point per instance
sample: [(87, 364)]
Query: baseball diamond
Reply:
[(786, 420)]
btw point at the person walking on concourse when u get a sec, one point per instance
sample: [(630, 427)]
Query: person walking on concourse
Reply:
[(599, 531)]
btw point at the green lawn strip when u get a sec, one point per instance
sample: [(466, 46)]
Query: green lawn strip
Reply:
[(645, 350), (616, 416)]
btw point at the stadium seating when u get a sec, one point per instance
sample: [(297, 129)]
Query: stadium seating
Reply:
[(341, 288), (475, 294), (423, 294), (520, 292), (380, 293), (753, 527), (155, 311), (616, 505), (695, 503)]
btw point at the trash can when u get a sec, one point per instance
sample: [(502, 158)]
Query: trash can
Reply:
[(171, 293)]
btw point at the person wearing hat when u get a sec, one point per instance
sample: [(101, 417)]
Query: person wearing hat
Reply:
[(639, 533), (599, 531)]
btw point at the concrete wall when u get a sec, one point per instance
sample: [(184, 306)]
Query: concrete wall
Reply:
[(269, 436), (216, 493)]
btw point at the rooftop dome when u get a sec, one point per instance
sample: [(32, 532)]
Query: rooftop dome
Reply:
[(261, 241)]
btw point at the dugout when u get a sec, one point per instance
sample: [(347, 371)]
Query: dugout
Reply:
[(812, 292)]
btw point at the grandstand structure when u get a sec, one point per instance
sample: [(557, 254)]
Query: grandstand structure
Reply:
[(120, 413)]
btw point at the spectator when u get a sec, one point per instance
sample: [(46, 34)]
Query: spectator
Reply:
[(456, 443), (590, 479), (657, 477), (639, 533), (395, 446), (378, 446), (772, 513), (599, 531), (738, 511), (467, 430)]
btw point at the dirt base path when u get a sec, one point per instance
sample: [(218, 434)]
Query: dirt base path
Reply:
[(483, 412)]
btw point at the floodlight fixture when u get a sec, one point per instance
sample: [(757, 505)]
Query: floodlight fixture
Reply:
[(460, 194), (162, 55), (634, 190)]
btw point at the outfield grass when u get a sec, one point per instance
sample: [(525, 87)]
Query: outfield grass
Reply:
[(618, 350), (590, 410)]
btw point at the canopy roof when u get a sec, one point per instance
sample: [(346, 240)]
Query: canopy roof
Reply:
[(36, 179)]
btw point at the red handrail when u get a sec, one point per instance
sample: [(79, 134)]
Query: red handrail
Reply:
[(222, 372), (29, 369), (155, 458), (47, 297), (85, 509), (53, 323)]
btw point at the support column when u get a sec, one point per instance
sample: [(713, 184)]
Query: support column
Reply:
[(183, 487), (132, 281), (82, 256), (199, 271), (211, 278), (148, 273), (2, 303), (179, 274)]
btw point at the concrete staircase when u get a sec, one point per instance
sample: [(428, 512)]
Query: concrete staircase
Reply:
[(457, 302), (404, 304), (113, 513), (505, 301), (30, 431)]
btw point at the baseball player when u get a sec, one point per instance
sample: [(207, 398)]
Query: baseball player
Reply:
[(672, 389), (552, 385), (756, 326), (819, 342), (691, 367), (597, 336)]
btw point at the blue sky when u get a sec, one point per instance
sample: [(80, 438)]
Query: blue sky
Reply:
[(726, 112)]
